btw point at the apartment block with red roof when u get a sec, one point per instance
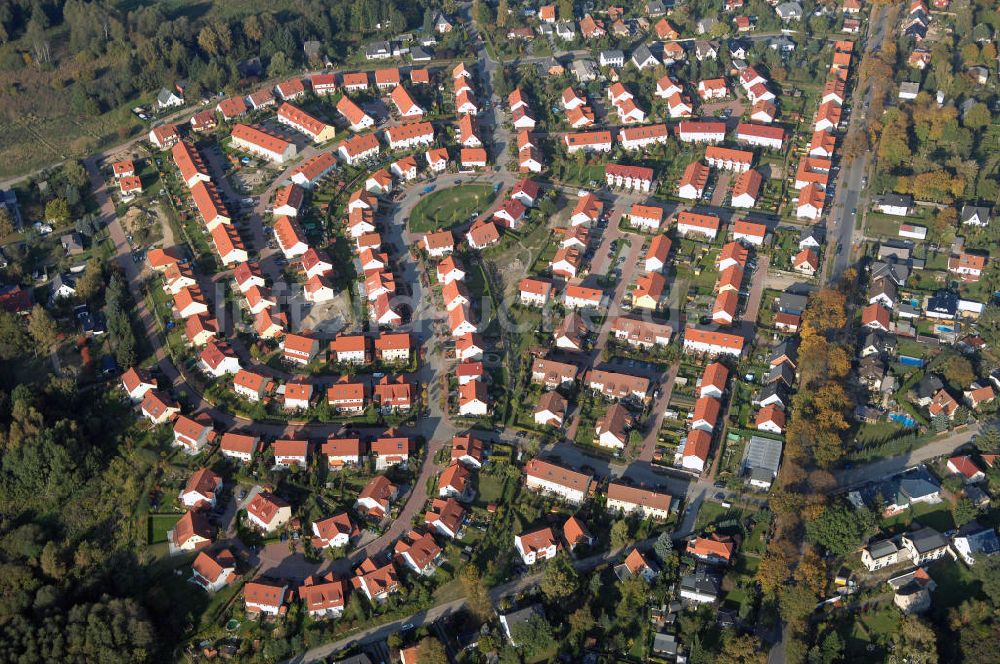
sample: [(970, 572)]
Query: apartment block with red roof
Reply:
[(263, 144), (631, 499), (298, 119), (630, 178)]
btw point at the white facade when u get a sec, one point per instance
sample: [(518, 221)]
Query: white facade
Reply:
[(571, 495)]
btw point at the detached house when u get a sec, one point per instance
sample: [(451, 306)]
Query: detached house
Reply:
[(201, 490), (419, 552), (241, 447), (268, 512), (192, 434), (536, 545)]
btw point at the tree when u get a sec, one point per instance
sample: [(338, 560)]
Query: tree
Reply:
[(57, 210), (772, 572), (431, 652), (279, 65), (914, 643), (76, 174), (988, 441), (532, 636), (581, 620), (566, 10), (477, 597), (826, 311), (963, 511), (6, 222), (840, 529), (943, 225), (741, 649), (52, 563), (503, 12), (829, 651), (856, 144), (663, 546), (987, 572), (633, 595), (619, 534), (92, 281), (481, 14), (811, 572), (957, 370), (977, 117), (559, 579), (42, 328), (796, 603), (12, 339), (500, 87)]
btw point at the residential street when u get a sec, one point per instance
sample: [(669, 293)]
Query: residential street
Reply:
[(876, 470), (843, 213), (374, 634)]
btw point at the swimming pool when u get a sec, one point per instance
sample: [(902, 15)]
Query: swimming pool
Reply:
[(943, 329), (904, 419)]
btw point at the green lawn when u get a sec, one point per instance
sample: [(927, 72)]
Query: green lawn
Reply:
[(872, 627), (955, 583), (575, 173), (877, 432), (936, 516), (490, 489), (712, 512), (448, 207), (160, 525)]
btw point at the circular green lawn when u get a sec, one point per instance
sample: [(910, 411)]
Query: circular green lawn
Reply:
[(449, 207)]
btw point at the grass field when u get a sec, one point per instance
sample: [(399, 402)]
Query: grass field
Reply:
[(160, 525), (869, 628), (936, 516), (711, 512), (449, 207)]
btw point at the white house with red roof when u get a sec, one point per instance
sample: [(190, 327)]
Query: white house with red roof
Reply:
[(964, 465), (137, 382), (536, 545), (473, 400), (218, 359), (202, 490), (324, 598), (357, 119), (158, 407), (701, 131), (713, 342), (239, 446), (438, 243), (511, 213), (268, 512), (213, 571), (449, 270), (630, 178), (335, 531), (192, 434), (534, 292), (763, 136), (250, 385)]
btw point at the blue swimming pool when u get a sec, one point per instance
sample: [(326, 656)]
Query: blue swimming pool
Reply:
[(909, 361), (904, 419), (943, 329)]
